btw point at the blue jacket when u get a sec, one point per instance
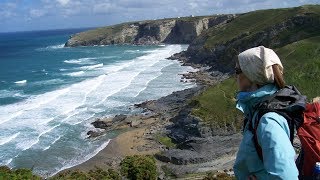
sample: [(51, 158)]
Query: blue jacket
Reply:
[(273, 136)]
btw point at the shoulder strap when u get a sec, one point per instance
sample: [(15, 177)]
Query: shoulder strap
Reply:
[(256, 124)]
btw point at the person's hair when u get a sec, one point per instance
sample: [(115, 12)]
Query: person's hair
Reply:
[(278, 76)]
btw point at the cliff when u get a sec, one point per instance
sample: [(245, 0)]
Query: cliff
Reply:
[(274, 28), (172, 31)]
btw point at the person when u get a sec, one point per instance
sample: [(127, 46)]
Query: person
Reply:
[(259, 74)]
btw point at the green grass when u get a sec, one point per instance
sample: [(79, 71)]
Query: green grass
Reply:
[(165, 140), (301, 61), (100, 33), (256, 21), (216, 105)]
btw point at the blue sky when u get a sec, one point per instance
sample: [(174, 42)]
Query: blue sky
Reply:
[(25, 15)]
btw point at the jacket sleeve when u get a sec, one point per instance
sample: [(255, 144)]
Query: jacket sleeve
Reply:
[(278, 153)]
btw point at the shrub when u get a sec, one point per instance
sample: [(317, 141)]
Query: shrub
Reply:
[(218, 176), (99, 173), (139, 167), (96, 174), (7, 173), (79, 175)]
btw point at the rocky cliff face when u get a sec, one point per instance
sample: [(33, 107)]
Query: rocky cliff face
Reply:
[(171, 31), (222, 55)]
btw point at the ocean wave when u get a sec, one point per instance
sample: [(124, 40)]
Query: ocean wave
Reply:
[(27, 144), (84, 159), (11, 93), (133, 51), (53, 47), (54, 141), (72, 61), (48, 82), (79, 73), (5, 140), (48, 130), (88, 60), (59, 46), (10, 112), (8, 161), (21, 82), (46, 121), (91, 67)]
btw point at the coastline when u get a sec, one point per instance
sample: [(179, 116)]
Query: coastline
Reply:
[(130, 141), (140, 138)]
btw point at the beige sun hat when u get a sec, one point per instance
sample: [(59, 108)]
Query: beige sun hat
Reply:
[(256, 63)]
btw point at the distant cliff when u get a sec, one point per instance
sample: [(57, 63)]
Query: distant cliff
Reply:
[(274, 28), (172, 31)]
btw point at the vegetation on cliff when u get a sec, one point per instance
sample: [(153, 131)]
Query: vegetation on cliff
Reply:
[(172, 30), (218, 47), (139, 167)]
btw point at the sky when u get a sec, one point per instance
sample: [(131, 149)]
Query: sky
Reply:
[(28, 15)]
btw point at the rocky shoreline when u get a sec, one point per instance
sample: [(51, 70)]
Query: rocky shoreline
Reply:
[(196, 147)]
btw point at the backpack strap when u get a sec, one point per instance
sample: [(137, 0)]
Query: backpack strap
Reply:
[(254, 128)]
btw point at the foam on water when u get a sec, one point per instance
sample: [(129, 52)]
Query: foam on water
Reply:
[(4, 140), (21, 82), (132, 51), (48, 82), (89, 60), (78, 73), (59, 46), (85, 158), (11, 93), (59, 118), (53, 47), (92, 66)]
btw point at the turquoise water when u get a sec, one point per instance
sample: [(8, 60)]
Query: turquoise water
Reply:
[(49, 94)]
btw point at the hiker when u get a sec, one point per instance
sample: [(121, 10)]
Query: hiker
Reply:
[(259, 74)]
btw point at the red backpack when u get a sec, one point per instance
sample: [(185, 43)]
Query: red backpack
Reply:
[(305, 117), (309, 135)]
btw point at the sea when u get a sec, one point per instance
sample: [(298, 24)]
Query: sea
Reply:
[(50, 94)]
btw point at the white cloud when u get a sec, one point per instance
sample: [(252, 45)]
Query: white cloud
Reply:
[(7, 10), (63, 2), (102, 8), (35, 13), (10, 5), (7, 14), (193, 5)]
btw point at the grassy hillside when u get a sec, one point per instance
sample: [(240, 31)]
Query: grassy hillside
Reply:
[(216, 105), (253, 22), (301, 61), (218, 46)]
